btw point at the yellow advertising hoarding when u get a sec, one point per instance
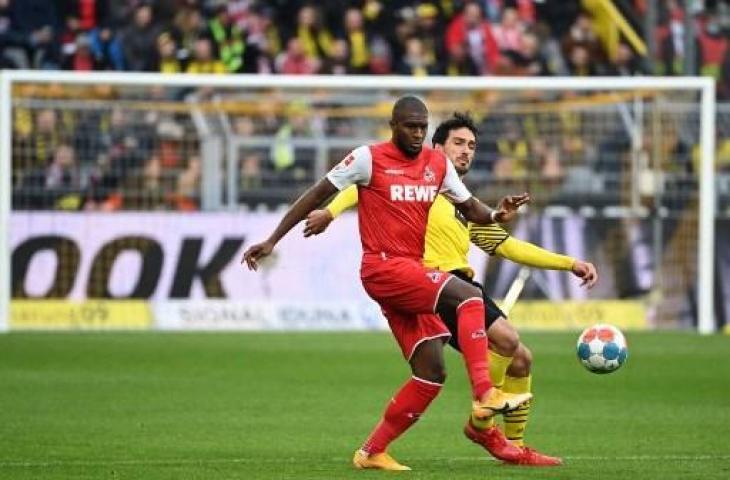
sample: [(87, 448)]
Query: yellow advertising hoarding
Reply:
[(88, 315), (547, 315)]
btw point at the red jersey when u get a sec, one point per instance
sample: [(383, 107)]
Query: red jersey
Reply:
[(395, 193)]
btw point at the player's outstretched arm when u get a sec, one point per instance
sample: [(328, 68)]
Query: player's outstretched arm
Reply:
[(475, 211), (529, 254), (309, 200), (318, 220)]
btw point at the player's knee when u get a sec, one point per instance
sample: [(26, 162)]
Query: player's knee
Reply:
[(472, 291), (432, 373), (521, 362), (503, 339), (457, 292)]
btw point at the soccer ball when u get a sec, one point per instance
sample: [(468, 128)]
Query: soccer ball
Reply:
[(602, 348)]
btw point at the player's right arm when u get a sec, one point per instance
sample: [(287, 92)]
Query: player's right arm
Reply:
[(318, 220), (309, 200), (356, 168)]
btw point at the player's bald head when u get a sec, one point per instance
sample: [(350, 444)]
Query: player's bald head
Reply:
[(408, 105), (408, 124)]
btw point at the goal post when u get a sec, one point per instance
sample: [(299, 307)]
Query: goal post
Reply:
[(632, 88), (5, 196)]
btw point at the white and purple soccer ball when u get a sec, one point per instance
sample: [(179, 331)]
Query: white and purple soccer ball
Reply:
[(602, 348)]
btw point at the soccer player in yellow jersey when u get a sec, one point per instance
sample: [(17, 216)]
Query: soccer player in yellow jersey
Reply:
[(447, 244)]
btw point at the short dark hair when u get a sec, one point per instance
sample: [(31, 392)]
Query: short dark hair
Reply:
[(458, 120)]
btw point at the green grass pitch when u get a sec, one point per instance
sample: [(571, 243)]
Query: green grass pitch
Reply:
[(296, 405)]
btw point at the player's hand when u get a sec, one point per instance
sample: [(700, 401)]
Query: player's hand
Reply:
[(585, 271), (256, 252), (508, 206), (317, 222)]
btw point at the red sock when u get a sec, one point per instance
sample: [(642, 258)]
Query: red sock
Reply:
[(473, 343), (403, 411)]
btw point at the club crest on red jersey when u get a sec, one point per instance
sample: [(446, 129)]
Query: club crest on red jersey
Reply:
[(434, 276), (428, 174)]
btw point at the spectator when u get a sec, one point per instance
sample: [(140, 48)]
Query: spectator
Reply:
[(80, 58), (251, 171), (459, 63), (186, 197), (581, 33), (580, 63), (429, 29), (357, 43), (509, 32), (63, 170), (55, 186), (513, 152), (381, 59), (228, 39), (107, 49), (139, 39), (339, 63), (314, 38), (188, 26), (263, 42), (625, 63), (530, 60), (203, 60), (167, 54), (38, 22), (724, 83), (44, 138), (86, 13), (294, 61), (13, 44), (67, 39), (415, 61), (471, 30), (144, 189)]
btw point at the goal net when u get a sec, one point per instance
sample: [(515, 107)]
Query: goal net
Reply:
[(128, 199)]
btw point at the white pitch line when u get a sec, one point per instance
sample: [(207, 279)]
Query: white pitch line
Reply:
[(188, 461)]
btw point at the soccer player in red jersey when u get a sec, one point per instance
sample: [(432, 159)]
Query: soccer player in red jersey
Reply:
[(447, 247), (397, 183)]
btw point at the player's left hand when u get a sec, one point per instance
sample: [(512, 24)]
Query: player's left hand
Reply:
[(256, 252), (508, 206), (585, 271), (317, 222)]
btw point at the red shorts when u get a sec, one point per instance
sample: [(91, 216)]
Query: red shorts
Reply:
[(407, 293), (411, 330), (402, 284)]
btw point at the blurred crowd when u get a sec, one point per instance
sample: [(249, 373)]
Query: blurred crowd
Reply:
[(408, 37), (106, 159), (132, 157)]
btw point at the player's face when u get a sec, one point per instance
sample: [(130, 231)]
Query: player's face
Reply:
[(460, 147), (409, 131)]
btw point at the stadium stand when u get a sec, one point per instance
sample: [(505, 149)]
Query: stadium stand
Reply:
[(112, 158)]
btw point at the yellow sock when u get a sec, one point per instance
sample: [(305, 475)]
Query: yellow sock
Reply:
[(497, 370), (515, 421)]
